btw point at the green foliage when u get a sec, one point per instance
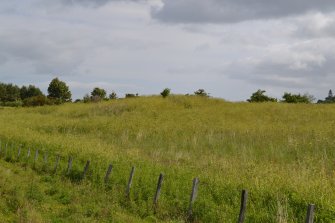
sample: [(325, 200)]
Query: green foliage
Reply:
[(59, 91), (329, 99), (113, 95), (30, 91), (98, 94), (284, 157), (9, 92), (129, 95), (201, 92), (259, 96), (297, 98), (39, 100), (166, 92)]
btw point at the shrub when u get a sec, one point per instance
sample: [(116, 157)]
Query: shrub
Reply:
[(37, 101), (259, 96), (297, 98), (112, 95), (166, 92), (128, 95), (201, 92)]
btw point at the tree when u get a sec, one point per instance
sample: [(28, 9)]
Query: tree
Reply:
[(329, 99), (30, 91), (98, 94), (9, 92), (297, 98), (59, 90), (201, 92), (113, 95), (259, 96), (166, 92)]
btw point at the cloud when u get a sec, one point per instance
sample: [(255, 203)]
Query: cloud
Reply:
[(231, 11), (305, 65)]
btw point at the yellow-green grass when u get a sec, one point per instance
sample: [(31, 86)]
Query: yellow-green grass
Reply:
[(283, 154)]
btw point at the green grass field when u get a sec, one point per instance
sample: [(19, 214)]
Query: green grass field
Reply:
[(283, 154)]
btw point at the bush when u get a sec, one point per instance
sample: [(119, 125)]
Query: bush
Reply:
[(297, 98), (128, 95), (201, 92), (166, 92), (37, 101), (259, 96), (11, 103), (113, 95)]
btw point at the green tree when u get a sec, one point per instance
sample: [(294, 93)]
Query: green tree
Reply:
[(9, 92), (59, 90), (98, 93), (113, 95), (297, 98), (259, 96), (30, 91), (201, 92), (166, 92)]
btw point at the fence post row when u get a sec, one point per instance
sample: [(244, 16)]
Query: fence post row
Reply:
[(130, 181), (244, 196)]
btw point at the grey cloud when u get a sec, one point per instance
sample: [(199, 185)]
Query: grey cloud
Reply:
[(316, 25), (229, 11), (300, 67), (42, 52)]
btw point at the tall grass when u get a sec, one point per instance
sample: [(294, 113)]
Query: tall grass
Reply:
[(282, 153)]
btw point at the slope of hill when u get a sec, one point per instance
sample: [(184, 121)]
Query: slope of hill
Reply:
[(283, 154)]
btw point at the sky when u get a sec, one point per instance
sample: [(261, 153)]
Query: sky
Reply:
[(230, 48)]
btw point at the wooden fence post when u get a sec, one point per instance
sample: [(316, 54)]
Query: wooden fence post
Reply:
[(310, 213), (243, 208), (193, 197), (69, 165), (36, 155), (158, 189), (28, 153), (45, 158), (86, 169), (56, 164), (19, 152), (130, 181), (109, 171)]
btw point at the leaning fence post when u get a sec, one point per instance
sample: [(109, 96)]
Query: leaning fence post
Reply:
[(130, 181), (19, 153), (193, 196), (243, 208), (310, 213), (86, 169), (36, 155), (158, 190), (109, 171), (45, 158), (28, 153), (56, 164), (69, 165)]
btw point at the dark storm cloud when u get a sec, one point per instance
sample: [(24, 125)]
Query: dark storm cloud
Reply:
[(229, 11)]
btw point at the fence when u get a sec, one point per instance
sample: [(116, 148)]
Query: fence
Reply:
[(8, 153)]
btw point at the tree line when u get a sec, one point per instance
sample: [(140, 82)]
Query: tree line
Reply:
[(260, 96), (59, 92)]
